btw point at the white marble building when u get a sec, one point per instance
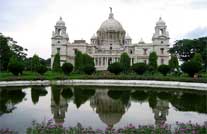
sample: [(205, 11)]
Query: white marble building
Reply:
[(109, 43)]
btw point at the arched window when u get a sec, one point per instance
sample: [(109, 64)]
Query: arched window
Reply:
[(145, 51), (162, 61), (162, 50), (161, 31)]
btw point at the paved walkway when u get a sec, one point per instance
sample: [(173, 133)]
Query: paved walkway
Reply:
[(129, 83)]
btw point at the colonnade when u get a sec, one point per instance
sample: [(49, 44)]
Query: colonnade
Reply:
[(104, 61)]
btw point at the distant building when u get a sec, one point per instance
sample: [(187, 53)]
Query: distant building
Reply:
[(109, 43)]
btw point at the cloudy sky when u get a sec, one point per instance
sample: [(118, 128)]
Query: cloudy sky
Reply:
[(31, 22)]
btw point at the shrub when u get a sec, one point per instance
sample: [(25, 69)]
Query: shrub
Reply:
[(15, 66), (139, 68), (67, 68), (89, 69), (56, 63), (153, 61), (191, 67), (125, 62), (197, 57), (164, 69), (35, 63), (41, 69), (83, 61), (115, 68), (173, 63)]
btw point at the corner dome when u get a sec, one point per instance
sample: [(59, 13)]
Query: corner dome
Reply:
[(160, 22), (60, 22), (111, 24)]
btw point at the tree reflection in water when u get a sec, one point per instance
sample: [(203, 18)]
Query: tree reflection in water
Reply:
[(110, 103), (36, 92), (9, 97), (82, 94)]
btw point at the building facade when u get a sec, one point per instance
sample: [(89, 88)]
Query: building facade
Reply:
[(109, 42)]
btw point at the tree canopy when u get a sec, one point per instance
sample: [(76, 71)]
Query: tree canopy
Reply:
[(125, 62), (153, 61), (186, 48)]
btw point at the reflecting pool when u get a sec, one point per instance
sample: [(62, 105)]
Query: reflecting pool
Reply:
[(99, 107)]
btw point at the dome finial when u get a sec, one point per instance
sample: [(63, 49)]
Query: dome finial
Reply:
[(110, 9), (111, 15), (61, 18)]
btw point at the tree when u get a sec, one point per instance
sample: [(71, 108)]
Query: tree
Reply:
[(186, 48), (78, 60), (164, 69), (41, 69), (197, 57), (125, 62), (15, 66), (56, 63), (173, 63), (89, 69), (139, 68), (191, 67), (35, 63), (115, 68), (84, 63), (67, 68), (153, 61), (5, 53), (8, 48)]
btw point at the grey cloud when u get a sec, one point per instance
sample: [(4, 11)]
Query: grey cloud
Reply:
[(196, 33)]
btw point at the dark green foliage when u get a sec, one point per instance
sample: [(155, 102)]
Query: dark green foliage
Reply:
[(191, 67), (164, 69), (89, 69), (152, 100), (41, 69), (139, 68), (56, 63), (186, 48), (8, 48), (78, 60), (84, 63), (56, 90), (139, 96), (81, 95), (173, 63), (36, 92), (5, 53), (35, 63), (153, 61), (115, 68), (125, 62), (198, 58), (67, 68), (67, 93), (15, 66)]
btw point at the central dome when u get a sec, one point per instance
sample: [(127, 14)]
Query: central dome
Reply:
[(111, 24)]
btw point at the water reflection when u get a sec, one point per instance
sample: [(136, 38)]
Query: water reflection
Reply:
[(110, 110), (110, 103), (36, 92), (9, 97), (59, 104)]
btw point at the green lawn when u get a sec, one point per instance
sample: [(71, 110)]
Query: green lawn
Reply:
[(27, 75)]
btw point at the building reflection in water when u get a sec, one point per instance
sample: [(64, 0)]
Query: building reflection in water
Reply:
[(160, 112), (110, 110), (112, 104), (59, 104)]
